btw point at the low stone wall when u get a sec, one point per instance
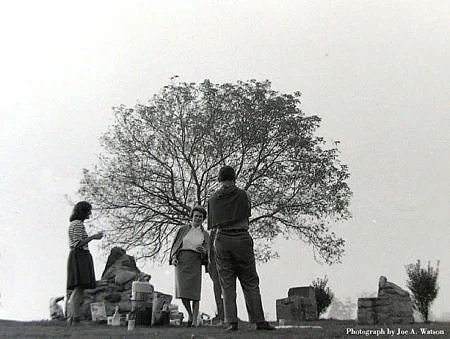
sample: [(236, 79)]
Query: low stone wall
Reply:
[(392, 306), (300, 305)]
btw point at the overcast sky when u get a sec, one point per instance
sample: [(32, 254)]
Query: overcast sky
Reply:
[(376, 72)]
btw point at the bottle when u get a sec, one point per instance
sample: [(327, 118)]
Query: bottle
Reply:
[(116, 317), (131, 321)]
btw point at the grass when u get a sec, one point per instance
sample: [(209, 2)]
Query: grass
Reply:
[(314, 329)]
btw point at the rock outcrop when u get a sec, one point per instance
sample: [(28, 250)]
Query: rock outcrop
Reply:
[(392, 306), (114, 288)]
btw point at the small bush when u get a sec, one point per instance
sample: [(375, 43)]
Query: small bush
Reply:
[(423, 285), (324, 296)]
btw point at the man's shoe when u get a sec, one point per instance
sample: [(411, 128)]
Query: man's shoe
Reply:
[(264, 325), (232, 327)]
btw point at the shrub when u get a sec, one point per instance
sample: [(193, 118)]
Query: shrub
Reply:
[(342, 310), (423, 285), (324, 296)]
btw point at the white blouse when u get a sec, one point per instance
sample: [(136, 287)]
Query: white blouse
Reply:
[(193, 239)]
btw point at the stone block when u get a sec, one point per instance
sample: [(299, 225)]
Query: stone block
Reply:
[(305, 292), (392, 306), (284, 308), (296, 308)]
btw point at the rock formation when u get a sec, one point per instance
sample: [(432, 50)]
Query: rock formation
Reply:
[(392, 306), (114, 288)]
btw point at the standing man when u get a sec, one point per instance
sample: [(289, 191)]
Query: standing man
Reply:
[(229, 210)]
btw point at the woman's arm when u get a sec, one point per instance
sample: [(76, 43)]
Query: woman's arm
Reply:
[(174, 250), (96, 236)]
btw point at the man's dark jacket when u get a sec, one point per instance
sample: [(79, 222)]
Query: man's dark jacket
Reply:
[(228, 205)]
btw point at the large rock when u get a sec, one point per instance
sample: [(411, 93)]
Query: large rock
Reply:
[(300, 305), (114, 288), (392, 306)]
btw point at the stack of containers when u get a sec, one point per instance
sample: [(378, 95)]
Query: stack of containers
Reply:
[(141, 302)]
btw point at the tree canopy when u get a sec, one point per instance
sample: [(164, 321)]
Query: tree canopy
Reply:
[(162, 157), (423, 285)]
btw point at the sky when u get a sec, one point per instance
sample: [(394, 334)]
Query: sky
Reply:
[(376, 72)]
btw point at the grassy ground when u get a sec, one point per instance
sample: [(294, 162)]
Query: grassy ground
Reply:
[(317, 329)]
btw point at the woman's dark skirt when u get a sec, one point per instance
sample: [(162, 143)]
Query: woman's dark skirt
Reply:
[(80, 269), (188, 275)]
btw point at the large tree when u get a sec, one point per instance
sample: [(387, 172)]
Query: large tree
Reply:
[(162, 157)]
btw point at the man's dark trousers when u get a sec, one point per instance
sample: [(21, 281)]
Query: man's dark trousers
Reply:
[(212, 270), (235, 259)]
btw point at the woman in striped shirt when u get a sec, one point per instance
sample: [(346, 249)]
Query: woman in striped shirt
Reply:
[(80, 267)]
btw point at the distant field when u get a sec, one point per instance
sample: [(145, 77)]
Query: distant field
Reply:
[(317, 329)]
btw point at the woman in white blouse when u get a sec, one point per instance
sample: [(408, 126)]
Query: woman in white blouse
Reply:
[(80, 267), (188, 253)]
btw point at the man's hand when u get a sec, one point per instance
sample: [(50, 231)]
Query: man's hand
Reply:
[(175, 261)]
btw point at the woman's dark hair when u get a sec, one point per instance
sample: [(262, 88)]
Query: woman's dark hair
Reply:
[(200, 209), (226, 173), (81, 211)]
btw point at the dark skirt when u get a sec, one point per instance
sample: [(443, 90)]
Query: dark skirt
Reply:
[(188, 275), (80, 269)]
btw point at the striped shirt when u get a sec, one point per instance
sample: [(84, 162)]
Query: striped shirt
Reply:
[(77, 232)]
